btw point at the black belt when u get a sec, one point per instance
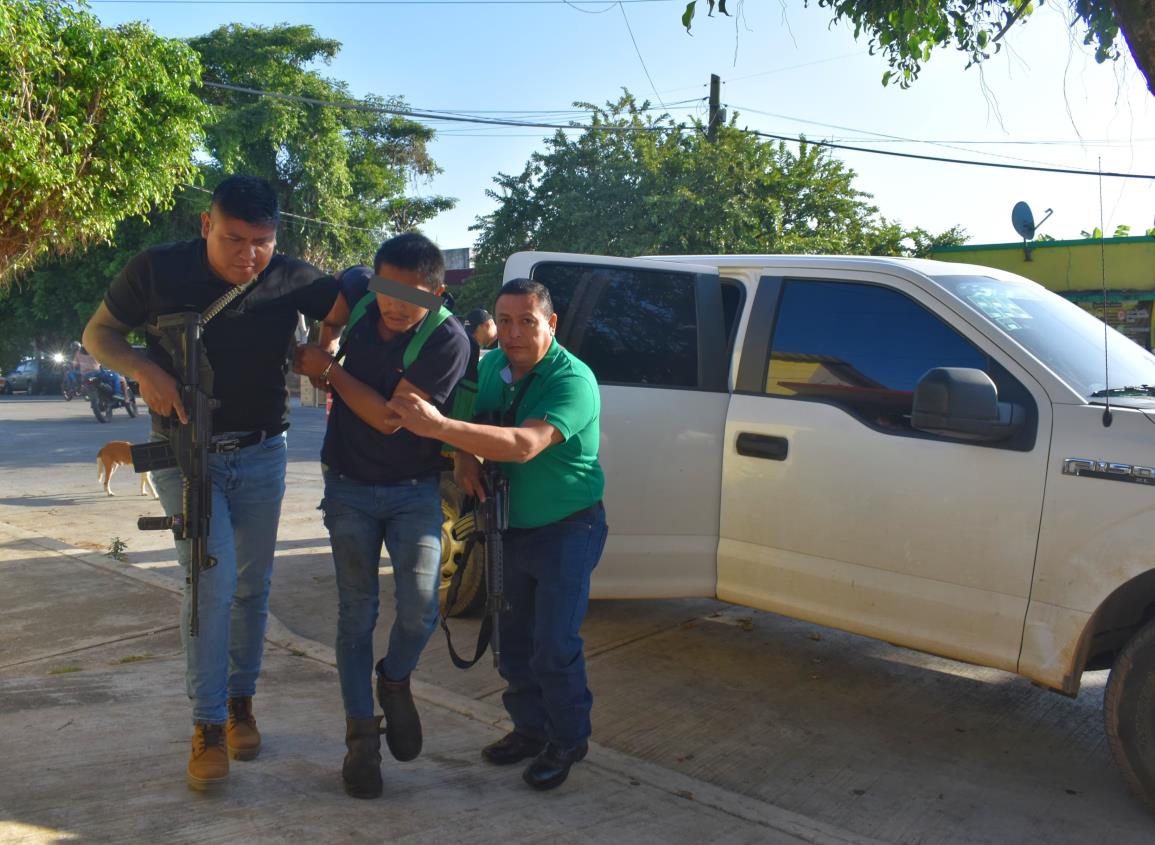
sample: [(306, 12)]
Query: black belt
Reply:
[(232, 444), (221, 444)]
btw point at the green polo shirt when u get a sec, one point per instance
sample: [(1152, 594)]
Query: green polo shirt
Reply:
[(565, 477)]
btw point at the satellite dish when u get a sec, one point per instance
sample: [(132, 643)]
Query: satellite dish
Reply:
[(1023, 220)]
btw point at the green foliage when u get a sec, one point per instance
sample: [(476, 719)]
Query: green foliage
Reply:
[(633, 184), (116, 550), (99, 124), (48, 307), (345, 166), (907, 32)]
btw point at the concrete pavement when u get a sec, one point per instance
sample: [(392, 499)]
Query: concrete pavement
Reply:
[(95, 734), (750, 712)]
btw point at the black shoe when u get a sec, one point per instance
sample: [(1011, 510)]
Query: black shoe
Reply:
[(551, 767), (361, 771), (402, 724), (512, 748)]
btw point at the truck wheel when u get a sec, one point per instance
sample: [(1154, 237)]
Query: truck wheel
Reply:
[(471, 591), (1129, 713)]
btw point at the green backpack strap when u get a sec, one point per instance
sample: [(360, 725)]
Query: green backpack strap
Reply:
[(428, 326), (358, 312)]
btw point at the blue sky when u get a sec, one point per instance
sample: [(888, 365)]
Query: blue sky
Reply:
[(1042, 100)]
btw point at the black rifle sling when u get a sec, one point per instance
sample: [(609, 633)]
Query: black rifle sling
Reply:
[(485, 632)]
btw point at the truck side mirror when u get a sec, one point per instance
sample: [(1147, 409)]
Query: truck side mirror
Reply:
[(963, 403)]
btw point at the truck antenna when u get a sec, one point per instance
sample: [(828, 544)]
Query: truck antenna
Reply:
[(1103, 281)]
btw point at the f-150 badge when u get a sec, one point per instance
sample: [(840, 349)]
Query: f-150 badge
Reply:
[(1109, 470)]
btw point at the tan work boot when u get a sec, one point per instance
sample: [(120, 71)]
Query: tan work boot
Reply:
[(208, 764), (243, 738)]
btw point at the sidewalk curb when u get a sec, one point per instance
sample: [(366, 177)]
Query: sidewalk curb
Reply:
[(607, 759)]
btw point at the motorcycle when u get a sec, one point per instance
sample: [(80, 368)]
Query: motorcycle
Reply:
[(73, 385), (101, 388)]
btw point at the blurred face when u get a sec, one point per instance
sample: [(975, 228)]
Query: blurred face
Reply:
[(237, 251), (486, 333), (397, 315), (525, 333)]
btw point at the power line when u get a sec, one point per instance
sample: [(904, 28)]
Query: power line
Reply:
[(426, 115), (571, 3), (882, 135), (313, 220), (637, 50)]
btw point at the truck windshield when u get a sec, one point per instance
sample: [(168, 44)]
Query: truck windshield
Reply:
[(1059, 333)]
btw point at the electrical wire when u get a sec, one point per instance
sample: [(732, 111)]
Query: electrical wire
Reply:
[(637, 50), (423, 114), (314, 220)]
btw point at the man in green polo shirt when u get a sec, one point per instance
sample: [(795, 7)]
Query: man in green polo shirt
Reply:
[(547, 444)]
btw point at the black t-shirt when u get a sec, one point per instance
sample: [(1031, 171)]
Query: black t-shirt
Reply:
[(247, 344), (352, 446)]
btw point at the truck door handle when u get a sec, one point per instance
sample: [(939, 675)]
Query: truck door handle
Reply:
[(762, 446)]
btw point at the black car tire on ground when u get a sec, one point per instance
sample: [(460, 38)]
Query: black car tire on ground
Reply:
[(1129, 713)]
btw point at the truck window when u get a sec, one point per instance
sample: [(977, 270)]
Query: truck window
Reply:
[(631, 326), (861, 347)]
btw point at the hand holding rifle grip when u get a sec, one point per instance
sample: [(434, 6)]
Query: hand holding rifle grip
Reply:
[(186, 448)]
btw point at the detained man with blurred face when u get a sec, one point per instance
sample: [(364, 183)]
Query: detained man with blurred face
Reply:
[(383, 486)]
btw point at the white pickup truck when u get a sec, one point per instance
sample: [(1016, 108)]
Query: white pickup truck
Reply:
[(910, 450)]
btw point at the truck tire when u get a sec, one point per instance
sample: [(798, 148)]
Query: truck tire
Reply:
[(471, 590), (1129, 713)]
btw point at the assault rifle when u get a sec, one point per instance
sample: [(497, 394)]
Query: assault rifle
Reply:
[(494, 518), (484, 526), (187, 447)]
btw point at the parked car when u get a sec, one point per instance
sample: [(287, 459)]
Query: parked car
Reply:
[(35, 376), (910, 450)]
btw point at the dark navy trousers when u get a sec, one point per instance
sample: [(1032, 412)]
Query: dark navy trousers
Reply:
[(547, 584)]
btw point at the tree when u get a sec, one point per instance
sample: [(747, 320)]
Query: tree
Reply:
[(99, 124), (906, 32), (632, 184), (343, 167), (349, 167), (48, 307)]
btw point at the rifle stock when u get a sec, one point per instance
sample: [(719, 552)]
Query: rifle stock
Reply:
[(187, 448)]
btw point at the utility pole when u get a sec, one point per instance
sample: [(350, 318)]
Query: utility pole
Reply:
[(715, 107)]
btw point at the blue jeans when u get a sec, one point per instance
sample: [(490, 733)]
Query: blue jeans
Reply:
[(547, 584), (406, 516), (224, 659)]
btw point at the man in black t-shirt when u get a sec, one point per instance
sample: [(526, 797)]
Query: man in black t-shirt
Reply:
[(247, 344), (382, 485)]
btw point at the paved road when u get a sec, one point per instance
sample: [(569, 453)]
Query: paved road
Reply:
[(853, 733)]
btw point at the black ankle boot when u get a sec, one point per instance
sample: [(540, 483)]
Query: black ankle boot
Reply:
[(402, 724), (512, 748), (551, 767), (362, 769)]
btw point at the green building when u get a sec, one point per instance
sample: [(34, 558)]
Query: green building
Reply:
[(1076, 269)]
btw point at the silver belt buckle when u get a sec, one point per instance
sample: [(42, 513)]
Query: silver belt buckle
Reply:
[(226, 445)]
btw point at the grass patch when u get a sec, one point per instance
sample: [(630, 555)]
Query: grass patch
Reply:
[(296, 652), (134, 658), (63, 670)]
